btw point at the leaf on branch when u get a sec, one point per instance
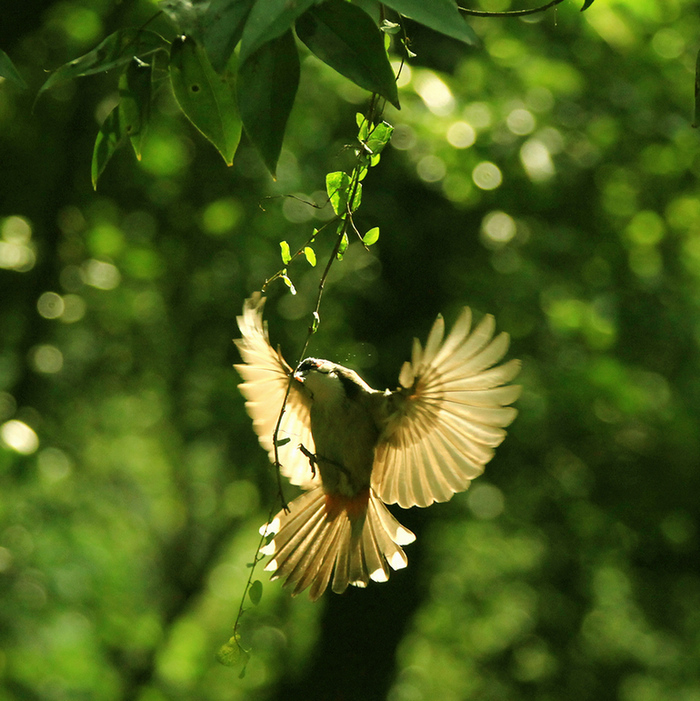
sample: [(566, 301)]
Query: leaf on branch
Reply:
[(371, 237), (109, 139), (337, 186), (231, 653), (207, 98), (289, 283), (283, 441), (440, 15), (343, 247), (255, 592), (379, 137), (222, 28), (267, 86), (9, 72), (135, 102), (286, 253), (268, 20), (116, 50), (345, 37), (310, 256)]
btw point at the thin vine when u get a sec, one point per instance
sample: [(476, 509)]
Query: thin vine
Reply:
[(344, 193)]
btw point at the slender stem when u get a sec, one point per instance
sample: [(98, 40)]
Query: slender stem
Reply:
[(509, 13)]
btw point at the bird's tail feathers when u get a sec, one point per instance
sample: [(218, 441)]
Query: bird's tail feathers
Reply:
[(348, 539)]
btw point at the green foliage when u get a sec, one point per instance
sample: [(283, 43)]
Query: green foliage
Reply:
[(206, 80), (109, 139), (440, 15), (345, 37), (118, 49), (206, 97), (135, 92), (9, 72), (267, 85)]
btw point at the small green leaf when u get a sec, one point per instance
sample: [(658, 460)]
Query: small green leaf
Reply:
[(440, 15), (222, 28), (109, 139), (232, 653), (316, 322), (587, 4), (8, 71), (135, 102), (310, 256), (371, 237), (357, 198), (116, 50), (345, 37), (255, 592), (267, 86), (286, 253), (337, 186), (289, 284), (379, 137), (363, 124), (343, 247), (206, 98), (283, 441), (268, 20)]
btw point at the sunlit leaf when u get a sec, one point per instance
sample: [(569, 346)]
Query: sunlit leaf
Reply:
[(222, 28), (310, 255), (109, 139), (116, 50), (379, 137), (289, 284), (8, 71), (345, 37), (255, 592), (337, 185), (206, 98), (356, 197), (440, 15), (371, 237), (286, 253), (268, 20), (343, 247), (135, 102), (267, 86)]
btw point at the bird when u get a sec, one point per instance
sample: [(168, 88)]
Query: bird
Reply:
[(353, 449)]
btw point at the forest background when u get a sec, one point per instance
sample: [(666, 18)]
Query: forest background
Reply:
[(548, 175)]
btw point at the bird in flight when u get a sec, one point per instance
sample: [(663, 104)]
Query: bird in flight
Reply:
[(353, 449)]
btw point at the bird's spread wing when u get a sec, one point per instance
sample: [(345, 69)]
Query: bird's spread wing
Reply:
[(447, 416), (266, 378)]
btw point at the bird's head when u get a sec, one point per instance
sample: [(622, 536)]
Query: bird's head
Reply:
[(323, 378)]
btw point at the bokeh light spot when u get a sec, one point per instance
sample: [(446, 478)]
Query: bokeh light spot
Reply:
[(50, 305), (487, 176), (19, 437)]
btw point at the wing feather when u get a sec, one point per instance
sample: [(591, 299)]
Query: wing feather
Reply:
[(448, 414), (265, 380)]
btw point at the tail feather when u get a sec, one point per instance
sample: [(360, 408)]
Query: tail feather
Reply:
[(317, 543)]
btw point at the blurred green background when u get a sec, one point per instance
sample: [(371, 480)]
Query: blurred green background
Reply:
[(549, 177)]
